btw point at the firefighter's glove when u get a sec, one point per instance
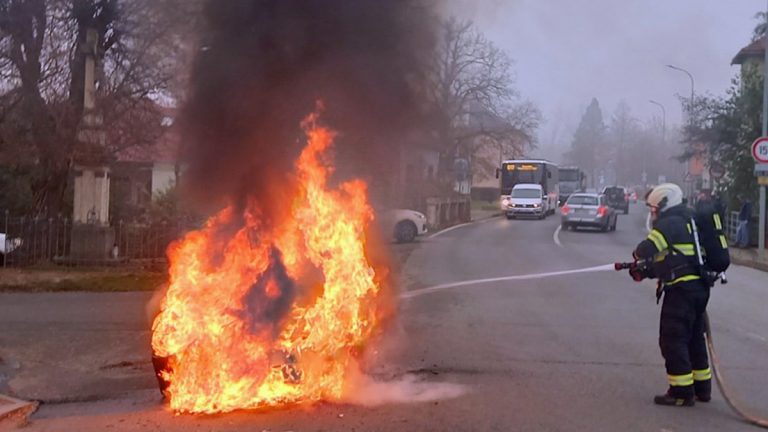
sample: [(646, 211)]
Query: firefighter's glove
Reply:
[(636, 273)]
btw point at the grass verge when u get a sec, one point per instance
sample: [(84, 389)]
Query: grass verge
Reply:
[(32, 281)]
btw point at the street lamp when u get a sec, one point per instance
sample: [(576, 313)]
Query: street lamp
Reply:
[(692, 84), (663, 132), (663, 120), (690, 114)]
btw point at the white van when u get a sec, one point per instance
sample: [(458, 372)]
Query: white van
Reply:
[(526, 199)]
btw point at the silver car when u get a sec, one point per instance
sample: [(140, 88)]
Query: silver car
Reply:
[(588, 210)]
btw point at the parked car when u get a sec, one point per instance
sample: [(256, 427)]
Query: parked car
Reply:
[(588, 210), (526, 199), (405, 225), (617, 197), (7, 246)]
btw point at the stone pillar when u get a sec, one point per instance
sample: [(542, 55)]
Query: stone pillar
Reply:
[(91, 204), (92, 237)]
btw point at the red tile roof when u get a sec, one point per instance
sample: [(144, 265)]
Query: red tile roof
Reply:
[(754, 50), (165, 149)]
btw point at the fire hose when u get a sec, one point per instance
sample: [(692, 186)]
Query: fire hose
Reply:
[(715, 361), (724, 390)]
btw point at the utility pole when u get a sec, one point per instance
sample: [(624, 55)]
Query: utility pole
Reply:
[(761, 229)]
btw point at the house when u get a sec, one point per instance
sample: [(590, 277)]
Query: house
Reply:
[(751, 55), (142, 173)]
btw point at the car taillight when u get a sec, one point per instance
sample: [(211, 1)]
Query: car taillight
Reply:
[(626, 197), (601, 211), (564, 209)]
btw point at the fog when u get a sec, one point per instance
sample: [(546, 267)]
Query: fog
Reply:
[(567, 52)]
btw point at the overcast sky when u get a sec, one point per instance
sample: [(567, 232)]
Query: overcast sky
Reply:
[(568, 51)]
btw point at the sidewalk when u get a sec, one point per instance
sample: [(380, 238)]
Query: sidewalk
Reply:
[(749, 258)]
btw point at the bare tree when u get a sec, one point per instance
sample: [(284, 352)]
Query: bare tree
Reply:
[(43, 47), (472, 89)]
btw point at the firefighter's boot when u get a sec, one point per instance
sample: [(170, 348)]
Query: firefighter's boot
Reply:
[(703, 390), (676, 396)]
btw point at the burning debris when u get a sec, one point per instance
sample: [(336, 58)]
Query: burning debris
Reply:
[(237, 332)]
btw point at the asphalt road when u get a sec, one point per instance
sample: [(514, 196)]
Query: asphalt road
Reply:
[(570, 353)]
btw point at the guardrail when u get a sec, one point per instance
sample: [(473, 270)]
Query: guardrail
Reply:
[(444, 212)]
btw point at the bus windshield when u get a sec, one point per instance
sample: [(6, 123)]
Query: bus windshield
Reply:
[(514, 173), (569, 175)]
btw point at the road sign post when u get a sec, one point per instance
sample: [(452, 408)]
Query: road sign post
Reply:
[(760, 154)]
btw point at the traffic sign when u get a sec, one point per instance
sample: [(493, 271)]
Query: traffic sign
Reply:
[(760, 150)]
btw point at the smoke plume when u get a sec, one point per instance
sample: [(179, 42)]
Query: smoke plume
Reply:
[(263, 64)]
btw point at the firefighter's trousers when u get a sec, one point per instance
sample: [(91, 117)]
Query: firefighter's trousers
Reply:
[(681, 338)]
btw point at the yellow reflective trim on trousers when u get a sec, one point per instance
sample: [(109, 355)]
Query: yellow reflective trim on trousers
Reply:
[(702, 374), (718, 222), (723, 242), (683, 279), (687, 249), (680, 380), (689, 228), (658, 240)]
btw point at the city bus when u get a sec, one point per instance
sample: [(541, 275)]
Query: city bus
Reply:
[(531, 171), (572, 179)]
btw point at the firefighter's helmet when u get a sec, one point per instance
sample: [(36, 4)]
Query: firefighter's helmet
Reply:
[(664, 196)]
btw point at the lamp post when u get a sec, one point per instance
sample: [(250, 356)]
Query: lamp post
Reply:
[(663, 120), (663, 130), (692, 187), (690, 76)]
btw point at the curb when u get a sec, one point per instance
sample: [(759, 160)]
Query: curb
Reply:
[(453, 227), (748, 258), (494, 215), (15, 412)]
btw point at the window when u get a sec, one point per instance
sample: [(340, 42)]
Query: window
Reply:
[(526, 193), (583, 200)]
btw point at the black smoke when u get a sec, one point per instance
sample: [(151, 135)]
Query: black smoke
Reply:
[(264, 310), (263, 64)]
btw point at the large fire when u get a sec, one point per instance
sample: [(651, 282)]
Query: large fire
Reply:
[(259, 316)]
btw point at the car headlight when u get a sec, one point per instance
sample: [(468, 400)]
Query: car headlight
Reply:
[(537, 205), (419, 215)]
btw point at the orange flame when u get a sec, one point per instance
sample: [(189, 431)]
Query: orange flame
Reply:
[(258, 317)]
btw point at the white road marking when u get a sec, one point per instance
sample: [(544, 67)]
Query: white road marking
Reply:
[(449, 229), (428, 290), (556, 236), (756, 336)]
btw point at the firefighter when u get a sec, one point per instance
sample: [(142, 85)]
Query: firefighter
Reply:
[(669, 254)]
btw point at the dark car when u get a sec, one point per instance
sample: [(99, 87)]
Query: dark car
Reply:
[(617, 197)]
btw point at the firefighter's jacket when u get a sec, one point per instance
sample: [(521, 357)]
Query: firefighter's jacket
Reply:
[(670, 249)]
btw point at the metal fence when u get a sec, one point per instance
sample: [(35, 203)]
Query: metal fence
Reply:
[(732, 224), (30, 241)]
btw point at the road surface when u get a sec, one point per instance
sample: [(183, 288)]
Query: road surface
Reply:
[(564, 353)]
